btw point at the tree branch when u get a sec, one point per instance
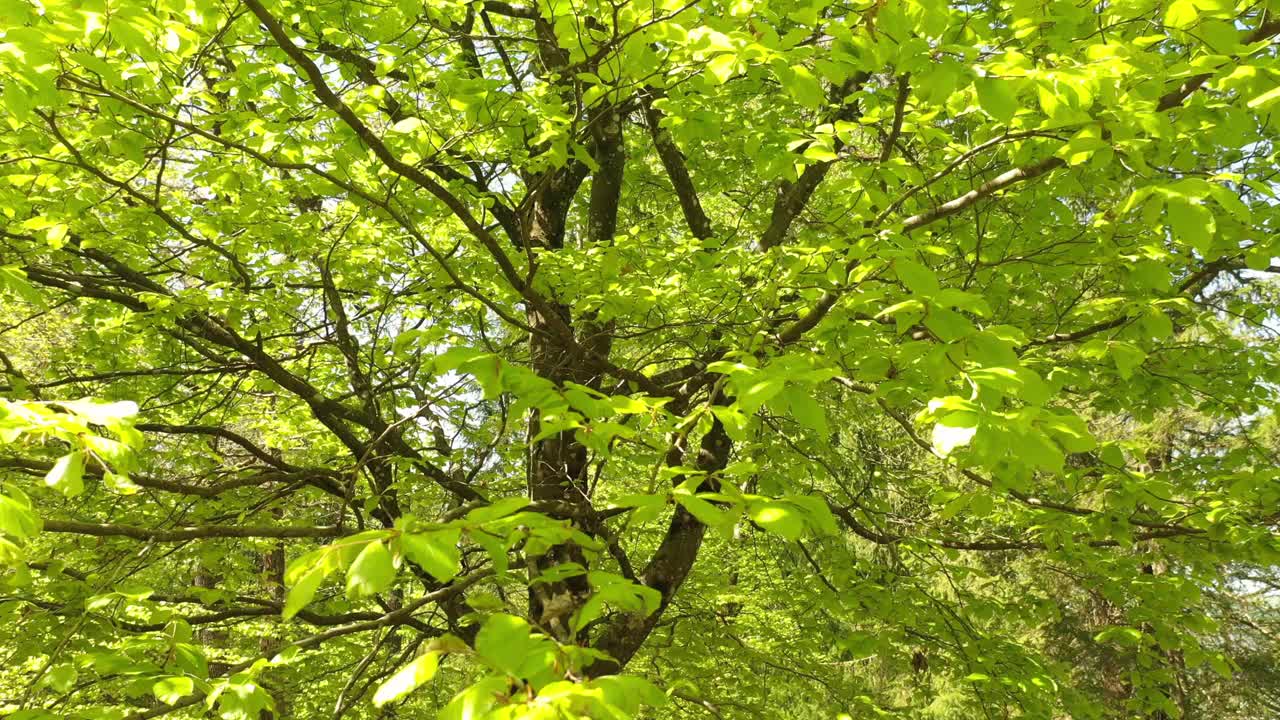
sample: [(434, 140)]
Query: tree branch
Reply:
[(673, 161), (198, 532), (793, 197), (1176, 97)]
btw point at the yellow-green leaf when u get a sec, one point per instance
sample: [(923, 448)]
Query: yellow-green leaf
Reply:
[(419, 670)]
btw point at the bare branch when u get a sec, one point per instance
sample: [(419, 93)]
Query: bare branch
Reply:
[(182, 534)]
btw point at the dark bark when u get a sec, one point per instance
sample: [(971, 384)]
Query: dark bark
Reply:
[(793, 197), (558, 464), (671, 562), (673, 161)]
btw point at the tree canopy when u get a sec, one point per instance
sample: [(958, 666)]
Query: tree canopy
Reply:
[(639, 358)]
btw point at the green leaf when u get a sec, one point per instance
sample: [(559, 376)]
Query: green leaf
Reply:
[(190, 658), (805, 409), (67, 474), (910, 308), (102, 413), (302, 592), (1119, 635), (61, 678), (1037, 450), (407, 679), (722, 67), (997, 98), (241, 699), (981, 504), (1182, 14), (1265, 100), (372, 572), (496, 510), (172, 689), (1112, 455), (436, 551), (919, 279), (1191, 223), (56, 235), (1018, 382), (504, 641), (1070, 431), (1258, 259), (648, 507), (1157, 324), (619, 593), (759, 393), (495, 548), (131, 36), (817, 514), (778, 518), (628, 694), (1127, 357), (705, 512), (1221, 665), (17, 519), (475, 701), (407, 125), (805, 88), (134, 591), (954, 506), (14, 280), (1151, 275), (961, 300), (954, 430), (948, 325)]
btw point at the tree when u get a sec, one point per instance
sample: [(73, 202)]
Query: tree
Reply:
[(521, 360)]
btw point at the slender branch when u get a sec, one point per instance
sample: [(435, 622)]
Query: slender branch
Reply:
[(793, 197), (673, 161), (1024, 498), (1177, 96), (555, 324), (994, 185), (315, 477), (1192, 282), (851, 522), (899, 114), (182, 534), (330, 99), (396, 617), (951, 167), (216, 431)]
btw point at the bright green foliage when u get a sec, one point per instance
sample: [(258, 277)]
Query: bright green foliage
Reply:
[(407, 679), (502, 360)]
